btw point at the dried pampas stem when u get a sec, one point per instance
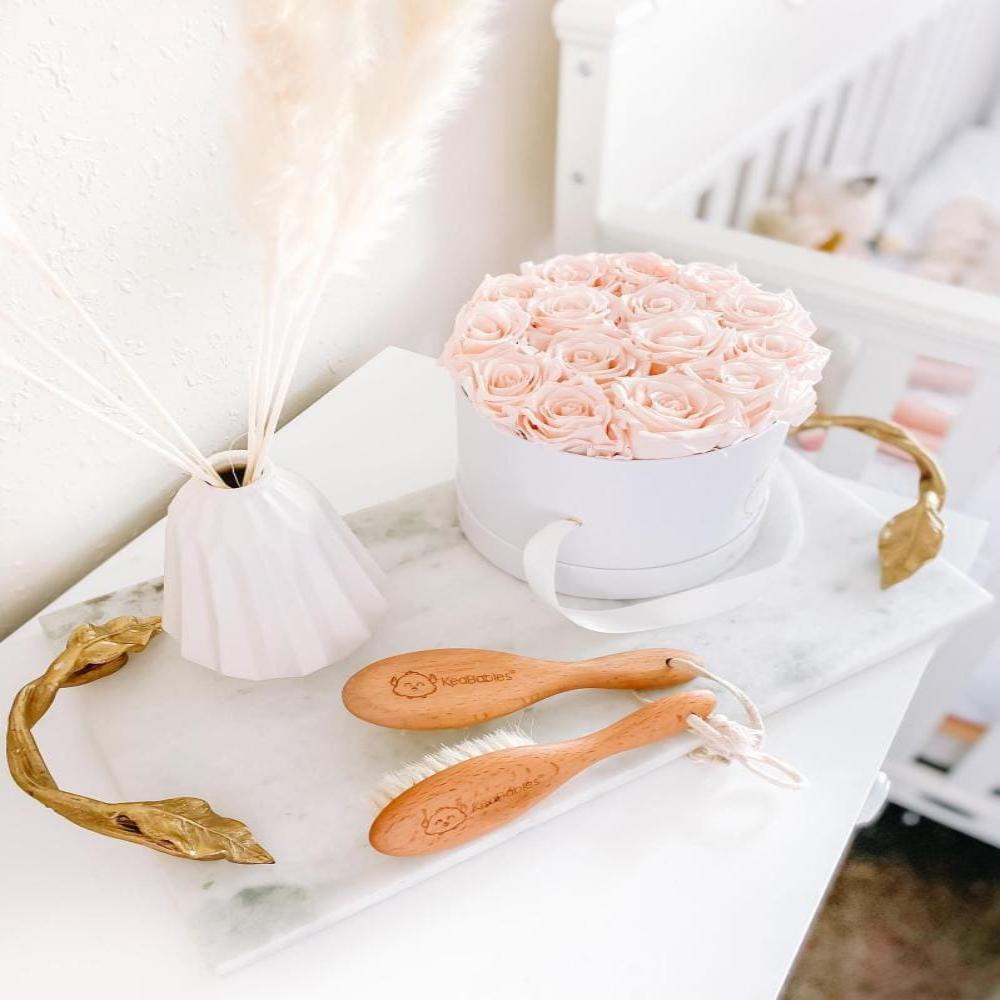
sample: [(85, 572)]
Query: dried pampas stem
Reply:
[(105, 393), (13, 235), (343, 102), (63, 292), (7, 361)]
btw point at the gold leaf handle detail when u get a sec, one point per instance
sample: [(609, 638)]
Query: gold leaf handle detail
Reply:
[(914, 536), (183, 827)]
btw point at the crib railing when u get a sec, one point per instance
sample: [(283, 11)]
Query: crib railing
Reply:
[(885, 109), (885, 113)]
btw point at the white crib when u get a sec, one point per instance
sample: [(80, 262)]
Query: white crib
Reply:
[(675, 120)]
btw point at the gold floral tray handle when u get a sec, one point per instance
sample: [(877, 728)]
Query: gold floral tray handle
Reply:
[(183, 827), (914, 536)]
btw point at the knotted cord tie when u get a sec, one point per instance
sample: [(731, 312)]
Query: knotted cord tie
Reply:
[(724, 741)]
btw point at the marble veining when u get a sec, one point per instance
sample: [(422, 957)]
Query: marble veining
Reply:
[(285, 757)]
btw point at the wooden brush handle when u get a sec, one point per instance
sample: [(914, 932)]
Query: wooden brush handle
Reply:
[(654, 722), (479, 795), (637, 670), (451, 688)]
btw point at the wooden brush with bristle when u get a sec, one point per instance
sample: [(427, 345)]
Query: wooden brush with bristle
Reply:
[(458, 793)]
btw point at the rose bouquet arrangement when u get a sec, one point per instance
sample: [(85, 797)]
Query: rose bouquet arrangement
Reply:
[(634, 356)]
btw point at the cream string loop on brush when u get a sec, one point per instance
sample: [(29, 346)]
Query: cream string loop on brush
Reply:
[(724, 741)]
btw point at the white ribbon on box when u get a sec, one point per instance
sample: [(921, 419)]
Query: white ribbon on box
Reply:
[(723, 740), (778, 543)]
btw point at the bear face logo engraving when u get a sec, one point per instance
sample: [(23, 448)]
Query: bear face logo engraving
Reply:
[(413, 684), (443, 820)]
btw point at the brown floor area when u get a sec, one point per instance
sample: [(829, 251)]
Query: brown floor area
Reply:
[(913, 915)]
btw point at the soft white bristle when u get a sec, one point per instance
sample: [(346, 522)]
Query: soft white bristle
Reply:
[(395, 783)]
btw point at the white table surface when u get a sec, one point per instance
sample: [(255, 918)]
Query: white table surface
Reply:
[(695, 882)]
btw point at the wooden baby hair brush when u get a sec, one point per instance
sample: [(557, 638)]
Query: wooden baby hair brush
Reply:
[(451, 688), (462, 792)]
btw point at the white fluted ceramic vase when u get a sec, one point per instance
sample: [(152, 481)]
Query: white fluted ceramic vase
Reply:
[(266, 580)]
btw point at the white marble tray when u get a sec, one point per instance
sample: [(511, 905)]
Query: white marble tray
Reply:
[(286, 758)]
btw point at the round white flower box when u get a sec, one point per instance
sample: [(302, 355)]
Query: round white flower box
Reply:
[(648, 527)]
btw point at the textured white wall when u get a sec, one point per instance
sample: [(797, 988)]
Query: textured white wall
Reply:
[(114, 153)]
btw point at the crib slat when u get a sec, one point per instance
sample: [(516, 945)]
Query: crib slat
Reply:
[(965, 84), (952, 80), (984, 25), (874, 384), (881, 90), (932, 124), (845, 123), (974, 438), (899, 106), (810, 146), (709, 204), (846, 139), (686, 204), (779, 156), (718, 206), (793, 149), (871, 90), (823, 120), (979, 769), (861, 118), (752, 189), (915, 88)]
